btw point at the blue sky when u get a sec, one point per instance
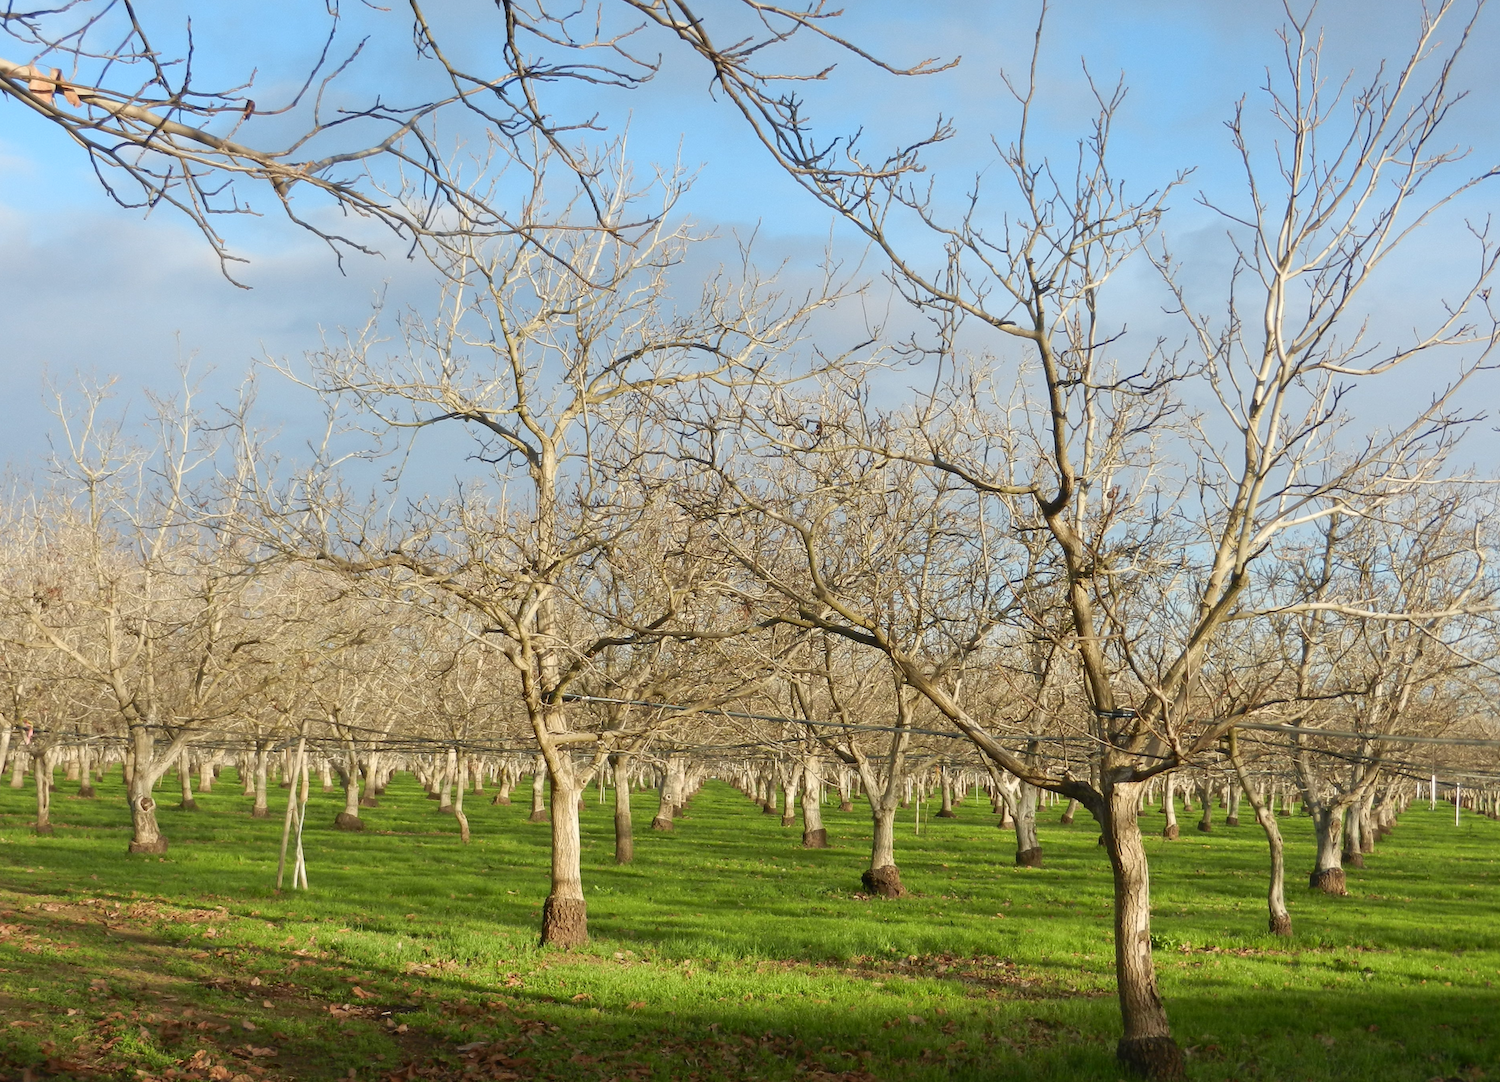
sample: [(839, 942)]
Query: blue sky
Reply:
[(97, 289)]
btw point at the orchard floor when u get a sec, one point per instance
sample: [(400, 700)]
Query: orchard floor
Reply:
[(724, 951)]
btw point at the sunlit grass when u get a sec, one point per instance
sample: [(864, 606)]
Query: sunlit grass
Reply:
[(726, 950)]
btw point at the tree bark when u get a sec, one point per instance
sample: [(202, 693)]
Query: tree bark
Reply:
[(42, 766), (624, 826), (261, 809), (1028, 847), (565, 913), (1328, 872), (883, 878), (538, 794), (1147, 1045), (1169, 808), (457, 767), (1279, 919), (814, 835)]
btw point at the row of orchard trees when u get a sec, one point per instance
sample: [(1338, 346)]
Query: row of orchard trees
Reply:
[(691, 491)]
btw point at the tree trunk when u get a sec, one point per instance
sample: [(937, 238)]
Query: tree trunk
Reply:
[(1353, 854), (883, 877), (18, 769), (1280, 920), (814, 836), (565, 914), (538, 794), (1232, 805), (945, 809), (261, 809), (1169, 808), (666, 806), (790, 782), (1328, 872), (42, 766), (185, 783), (1028, 847), (457, 767), (349, 819), (1069, 812), (447, 782), (624, 827), (85, 771), (372, 781), (1147, 1045), (1206, 794)]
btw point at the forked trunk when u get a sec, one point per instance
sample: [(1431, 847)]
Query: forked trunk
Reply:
[(624, 827), (565, 914), (1147, 1046)]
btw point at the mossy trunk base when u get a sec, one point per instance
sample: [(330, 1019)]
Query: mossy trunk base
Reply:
[(1329, 881), (815, 839), (884, 882), (565, 922), (345, 821), (1152, 1057), (1029, 858)]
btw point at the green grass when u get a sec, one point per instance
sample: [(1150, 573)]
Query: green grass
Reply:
[(725, 951)]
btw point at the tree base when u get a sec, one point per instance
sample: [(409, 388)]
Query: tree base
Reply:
[(947, 813), (845, 806), (151, 849), (44, 830), (1029, 858), (260, 813), (1329, 881), (1170, 832), (86, 792), (565, 922), (1232, 821), (770, 809), (538, 817), (344, 821), (188, 805), (445, 809), (1205, 828), (884, 882), (1152, 1057), (815, 839), (500, 798), (1281, 924), (661, 823), (368, 802), (1067, 819), (1354, 860), (788, 820)]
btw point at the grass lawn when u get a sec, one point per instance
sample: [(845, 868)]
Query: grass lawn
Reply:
[(725, 951)]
